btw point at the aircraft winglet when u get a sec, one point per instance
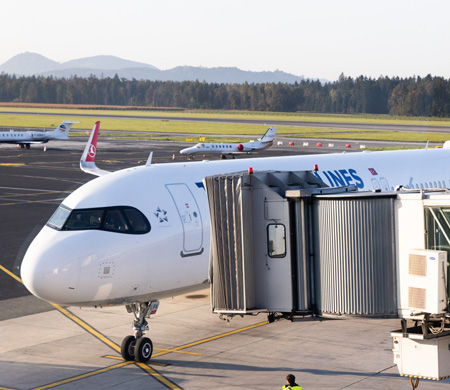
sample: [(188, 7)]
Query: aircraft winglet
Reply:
[(87, 162)]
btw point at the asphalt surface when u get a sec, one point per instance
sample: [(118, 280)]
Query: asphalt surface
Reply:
[(45, 347)]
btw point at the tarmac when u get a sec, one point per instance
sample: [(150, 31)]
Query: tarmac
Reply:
[(194, 349), (44, 346)]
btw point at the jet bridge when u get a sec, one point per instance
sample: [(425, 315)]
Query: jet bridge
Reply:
[(261, 236), (285, 242)]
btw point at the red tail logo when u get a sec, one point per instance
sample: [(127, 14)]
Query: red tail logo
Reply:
[(92, 151)]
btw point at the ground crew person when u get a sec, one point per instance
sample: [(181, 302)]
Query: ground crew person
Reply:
[(290, 383)]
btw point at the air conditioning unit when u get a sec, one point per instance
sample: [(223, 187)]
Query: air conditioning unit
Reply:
[(427, 281)]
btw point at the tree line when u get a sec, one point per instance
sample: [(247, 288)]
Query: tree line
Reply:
[(415, 96)]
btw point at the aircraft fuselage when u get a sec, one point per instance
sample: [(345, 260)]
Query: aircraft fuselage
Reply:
[(94, 266)]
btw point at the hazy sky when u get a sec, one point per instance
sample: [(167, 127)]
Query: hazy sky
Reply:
[(314, 38)]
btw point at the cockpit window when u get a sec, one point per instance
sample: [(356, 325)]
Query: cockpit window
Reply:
[(137, 220), (59, 217), (120, 219), (84, 219), (115, 221)]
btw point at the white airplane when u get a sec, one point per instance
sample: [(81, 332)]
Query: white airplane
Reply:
[(25, 138), (132, 236), (232, 148)]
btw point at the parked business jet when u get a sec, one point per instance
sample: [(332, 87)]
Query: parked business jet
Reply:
[(25, 138), (232, 148), (132, 236)]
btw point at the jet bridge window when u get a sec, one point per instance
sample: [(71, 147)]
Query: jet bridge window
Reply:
[(121, 219), (276, 240), (437, 228), (437, 232)]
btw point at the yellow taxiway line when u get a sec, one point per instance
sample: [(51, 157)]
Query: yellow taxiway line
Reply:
[(155, 374)]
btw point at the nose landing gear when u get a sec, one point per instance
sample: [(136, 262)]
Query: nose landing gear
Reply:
[(137, 347)]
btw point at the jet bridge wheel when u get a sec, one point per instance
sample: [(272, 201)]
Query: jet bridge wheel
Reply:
[(143, 350), (128, 347)]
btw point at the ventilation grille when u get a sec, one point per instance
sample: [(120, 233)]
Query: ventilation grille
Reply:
[(417, 297), (417, 265)]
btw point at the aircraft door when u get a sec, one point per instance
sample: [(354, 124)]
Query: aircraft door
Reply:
[(376, 184), (384, 184), (278, 271), (190, 218)]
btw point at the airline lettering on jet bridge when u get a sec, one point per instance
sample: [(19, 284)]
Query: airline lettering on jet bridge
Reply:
[(341, 177)]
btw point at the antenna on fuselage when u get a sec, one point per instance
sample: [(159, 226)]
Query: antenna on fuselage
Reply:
[(149, 160), (426, 147)]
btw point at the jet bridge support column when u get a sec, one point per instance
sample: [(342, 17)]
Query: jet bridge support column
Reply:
[(301, 249)]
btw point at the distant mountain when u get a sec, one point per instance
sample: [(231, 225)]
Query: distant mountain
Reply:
[(228, 75), (28, 64), (104, 62)]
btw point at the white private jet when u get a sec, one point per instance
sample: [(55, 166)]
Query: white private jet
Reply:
[(132, 236), (25, 138), (232, 148)]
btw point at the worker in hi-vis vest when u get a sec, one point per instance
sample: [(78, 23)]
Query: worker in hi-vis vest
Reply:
[(290, 383)]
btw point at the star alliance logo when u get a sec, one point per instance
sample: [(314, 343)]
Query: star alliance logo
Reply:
[(161, 215)]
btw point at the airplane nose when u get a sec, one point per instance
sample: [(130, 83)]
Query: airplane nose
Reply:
[(51, 272)]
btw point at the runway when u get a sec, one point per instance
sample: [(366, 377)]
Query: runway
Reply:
[(293, 123), (44, 346)]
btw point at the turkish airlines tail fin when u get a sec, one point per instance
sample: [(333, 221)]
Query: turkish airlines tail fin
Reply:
[(62, 131), (87, 162), (269, 135)]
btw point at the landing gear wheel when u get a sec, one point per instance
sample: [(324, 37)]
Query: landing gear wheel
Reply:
[(128, 347), (143, 350)]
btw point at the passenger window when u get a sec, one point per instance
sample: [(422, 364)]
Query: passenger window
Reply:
[(276, 240)]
